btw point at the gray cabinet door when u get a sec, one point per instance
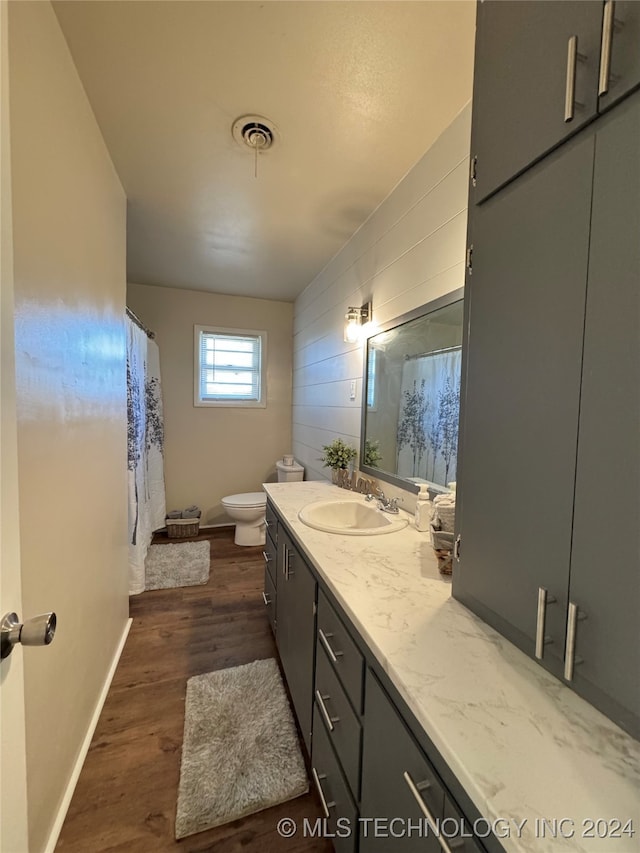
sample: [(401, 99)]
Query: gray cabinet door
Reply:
[(519, 418), (269, 598), (389, 756), (624, 38), (295, 616), (520, 82), (605, 574)]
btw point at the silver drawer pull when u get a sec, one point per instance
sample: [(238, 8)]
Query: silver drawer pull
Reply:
[(266, 556), (324, 639), (325, 805), (267, 523), (541, 640), (426, 811), (323, 708), (266, 600)]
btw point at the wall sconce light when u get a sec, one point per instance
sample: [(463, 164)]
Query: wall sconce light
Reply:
[(354, 320)]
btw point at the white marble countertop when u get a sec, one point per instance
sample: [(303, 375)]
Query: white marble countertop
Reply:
[(524, 746)]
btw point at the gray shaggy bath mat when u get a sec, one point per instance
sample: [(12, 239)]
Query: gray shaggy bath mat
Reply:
[(240, 752), (177, 564)]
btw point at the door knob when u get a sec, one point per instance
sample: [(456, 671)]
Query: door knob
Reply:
[(38, 631)]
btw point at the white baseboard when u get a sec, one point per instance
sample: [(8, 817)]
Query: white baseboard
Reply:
[(86, 743)]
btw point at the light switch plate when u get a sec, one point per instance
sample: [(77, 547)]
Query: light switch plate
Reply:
[(352, 390)]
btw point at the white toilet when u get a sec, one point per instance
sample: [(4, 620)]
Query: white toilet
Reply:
[(248, 509)]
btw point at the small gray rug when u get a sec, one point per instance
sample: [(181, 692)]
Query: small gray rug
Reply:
[(240, 752), (177, 564)]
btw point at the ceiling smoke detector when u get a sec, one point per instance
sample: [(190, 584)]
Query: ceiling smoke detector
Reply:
[(255, 132)]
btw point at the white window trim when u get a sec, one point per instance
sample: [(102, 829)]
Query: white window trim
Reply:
[(234, 404)]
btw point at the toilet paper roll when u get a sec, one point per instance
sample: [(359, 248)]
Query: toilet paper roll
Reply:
[(288, 460)]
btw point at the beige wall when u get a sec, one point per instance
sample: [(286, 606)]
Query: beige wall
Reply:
[(411, 250), (213, 452), (13, 784), (69, 252)]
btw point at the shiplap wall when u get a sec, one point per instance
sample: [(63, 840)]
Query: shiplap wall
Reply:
[(411, 250)]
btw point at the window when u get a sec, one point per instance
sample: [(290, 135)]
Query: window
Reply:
[(229, 367), (372, 376)]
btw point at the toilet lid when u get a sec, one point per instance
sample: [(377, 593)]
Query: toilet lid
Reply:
[(246, 499), (289, 469)]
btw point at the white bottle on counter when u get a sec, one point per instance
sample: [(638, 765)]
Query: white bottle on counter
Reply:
[(423, 509)]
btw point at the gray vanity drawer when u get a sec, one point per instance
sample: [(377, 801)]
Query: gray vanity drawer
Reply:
[(333, 790), (340, 721), (270, 556), (342, 651), (270, 598)]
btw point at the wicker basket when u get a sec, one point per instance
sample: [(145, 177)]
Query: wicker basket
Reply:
[(443, 548), (445, 561), (181, 528)]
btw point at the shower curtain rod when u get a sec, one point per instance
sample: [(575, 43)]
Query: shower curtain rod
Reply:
[(139, 323), (433, 352)]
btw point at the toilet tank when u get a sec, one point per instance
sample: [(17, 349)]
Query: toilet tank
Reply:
[(289, 473)]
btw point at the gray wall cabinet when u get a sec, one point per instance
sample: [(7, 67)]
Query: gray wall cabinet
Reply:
[(543, 71), (551, 401), (605, 558), (524, 354)]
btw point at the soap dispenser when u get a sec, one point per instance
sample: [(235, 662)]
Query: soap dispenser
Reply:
[(423, 509)]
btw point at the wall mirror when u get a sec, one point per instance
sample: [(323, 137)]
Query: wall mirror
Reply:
[(411, 397)]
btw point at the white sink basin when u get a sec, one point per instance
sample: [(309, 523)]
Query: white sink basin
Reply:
[(350, 518)]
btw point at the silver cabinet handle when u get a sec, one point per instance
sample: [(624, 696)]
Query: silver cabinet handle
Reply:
[(323, 708), (570, 658), (267, 557), (286, 554), (570, 90), (266, 600), (605, 48), (541, 640), (456, 548), (426, 811), (38, 631), (325, 805), (324, 639), (267, 523)]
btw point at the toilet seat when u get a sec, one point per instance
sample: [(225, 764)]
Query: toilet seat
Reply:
[(248, 499)]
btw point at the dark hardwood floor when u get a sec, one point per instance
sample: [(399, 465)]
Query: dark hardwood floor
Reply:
[(126, 796)]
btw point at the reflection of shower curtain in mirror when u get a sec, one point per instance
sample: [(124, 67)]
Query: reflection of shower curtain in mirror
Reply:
[(144, 449), (427, 437)]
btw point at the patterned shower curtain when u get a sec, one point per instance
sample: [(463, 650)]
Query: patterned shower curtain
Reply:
[(427, 437), (145, 439)]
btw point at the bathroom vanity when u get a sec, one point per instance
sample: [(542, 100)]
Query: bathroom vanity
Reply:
[(410, 706)]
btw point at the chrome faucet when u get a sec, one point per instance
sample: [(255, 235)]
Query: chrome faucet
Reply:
[(387, 504)]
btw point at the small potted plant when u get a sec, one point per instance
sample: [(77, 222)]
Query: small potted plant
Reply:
[(338, 455), (372, 455)]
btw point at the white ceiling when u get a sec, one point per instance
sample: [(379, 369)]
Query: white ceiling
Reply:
[(357, 90)]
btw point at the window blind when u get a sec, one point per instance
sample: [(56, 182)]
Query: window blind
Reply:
[(230, 366)]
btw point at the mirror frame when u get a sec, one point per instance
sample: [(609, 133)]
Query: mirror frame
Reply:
[(422, 311)]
